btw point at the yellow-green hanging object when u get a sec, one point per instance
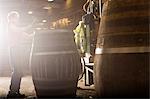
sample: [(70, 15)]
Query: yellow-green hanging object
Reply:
[(80, 37)]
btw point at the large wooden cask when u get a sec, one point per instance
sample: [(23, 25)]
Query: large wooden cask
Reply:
[(122, 53), (55, 63)]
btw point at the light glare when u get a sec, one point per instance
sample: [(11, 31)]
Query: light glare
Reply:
[(44, 21), (50, 0), (98, 50), (30, 12)]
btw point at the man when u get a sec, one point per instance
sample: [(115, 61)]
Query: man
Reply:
[(16, 36)]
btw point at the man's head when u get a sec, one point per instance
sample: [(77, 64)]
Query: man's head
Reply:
[(13, 17)]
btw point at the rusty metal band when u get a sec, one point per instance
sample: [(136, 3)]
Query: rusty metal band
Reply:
[(122, 50)]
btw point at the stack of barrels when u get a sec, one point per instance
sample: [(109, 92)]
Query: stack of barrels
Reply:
[(122, 53)]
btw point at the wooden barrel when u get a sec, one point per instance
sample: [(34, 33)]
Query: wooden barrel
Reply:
[(122, 52), (55, 64)]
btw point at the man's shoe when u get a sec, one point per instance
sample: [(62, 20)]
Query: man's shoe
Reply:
[(15, 95)]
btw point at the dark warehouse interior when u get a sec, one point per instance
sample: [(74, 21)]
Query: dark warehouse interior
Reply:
[(74, 49)]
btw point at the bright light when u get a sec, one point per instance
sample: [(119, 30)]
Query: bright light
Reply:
[(98, 50), (50, 0), (47, 8), (30, 12), (44, 21), (38, 28), (2, 33)]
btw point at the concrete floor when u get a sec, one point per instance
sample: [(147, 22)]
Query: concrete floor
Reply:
[(27, 88)]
